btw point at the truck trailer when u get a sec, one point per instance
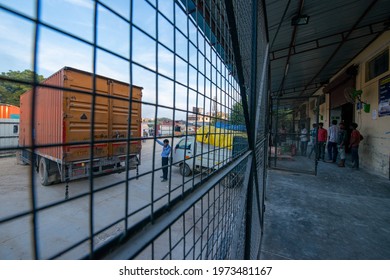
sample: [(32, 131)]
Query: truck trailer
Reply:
[(9, 131), (67, 107)]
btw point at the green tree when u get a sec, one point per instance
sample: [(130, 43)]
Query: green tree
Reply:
[(237, 114), (10, 91)]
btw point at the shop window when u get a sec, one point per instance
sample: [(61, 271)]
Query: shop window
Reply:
[(378, 65)]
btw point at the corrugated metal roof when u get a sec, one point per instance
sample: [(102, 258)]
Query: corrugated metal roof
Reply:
[(336, 32)]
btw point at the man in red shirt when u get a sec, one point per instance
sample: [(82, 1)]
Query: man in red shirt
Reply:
[(354, 145), (322, 137)]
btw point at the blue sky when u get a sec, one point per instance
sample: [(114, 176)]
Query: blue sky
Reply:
[(76, 17)]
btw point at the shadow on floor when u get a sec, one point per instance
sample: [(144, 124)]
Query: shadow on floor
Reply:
[(339, 214)]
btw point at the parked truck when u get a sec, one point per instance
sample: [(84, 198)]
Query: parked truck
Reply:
[(63, 115), (210, 149)]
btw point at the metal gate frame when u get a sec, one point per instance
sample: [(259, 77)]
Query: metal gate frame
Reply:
[(279, 104)]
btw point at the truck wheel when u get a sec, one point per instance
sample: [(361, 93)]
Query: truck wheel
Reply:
[(43, 171), (185, 170)]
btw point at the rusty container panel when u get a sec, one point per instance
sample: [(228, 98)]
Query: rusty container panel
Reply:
[(120, 116), (8, 111), (48, 118), (25, 119), (78, 115)]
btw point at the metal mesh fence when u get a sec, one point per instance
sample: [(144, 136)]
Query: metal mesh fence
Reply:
[(294, 145), (102, 86)]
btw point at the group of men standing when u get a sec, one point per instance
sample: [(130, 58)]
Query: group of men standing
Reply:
[(336, 140)]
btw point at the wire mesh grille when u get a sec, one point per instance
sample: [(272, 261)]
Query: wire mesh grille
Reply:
[(105, 83)]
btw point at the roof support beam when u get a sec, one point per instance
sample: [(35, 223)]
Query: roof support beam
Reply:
[(370, 6), (292, 43), (288, 91), (364, 31)]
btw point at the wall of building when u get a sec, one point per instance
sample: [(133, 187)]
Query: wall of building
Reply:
[(323, 114), (375, 149)]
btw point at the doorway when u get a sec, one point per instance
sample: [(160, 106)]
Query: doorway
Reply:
[(347, 116), (292, 145)]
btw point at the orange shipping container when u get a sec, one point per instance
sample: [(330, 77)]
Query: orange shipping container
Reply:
[(8, 111), (63, 115)]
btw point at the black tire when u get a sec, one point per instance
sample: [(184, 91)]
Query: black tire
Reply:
[(185, 170), (43, 171)]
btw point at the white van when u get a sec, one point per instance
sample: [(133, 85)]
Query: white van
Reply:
[(191, 155)]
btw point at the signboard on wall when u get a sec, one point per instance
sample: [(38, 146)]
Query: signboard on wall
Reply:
[(384, 97)]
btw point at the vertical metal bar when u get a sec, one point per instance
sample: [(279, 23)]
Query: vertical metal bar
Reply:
[(33, 193), (175, 70), (92, 135), (201, 227), (253, 180), (127, 185), (170, 242), (269, 125), (188, 82), (193, 232), (215, 235), (174, 81), (204, 81), (184, 235), (155, 122), (208, 226), (211, 89), (197, 74), (267, 99), (316, 140), (225, 217), (276, 135), (239, 66), (218, 221), (173, 138), (170, 161)]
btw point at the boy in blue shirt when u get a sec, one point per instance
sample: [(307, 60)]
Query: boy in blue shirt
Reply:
[(164, 158)]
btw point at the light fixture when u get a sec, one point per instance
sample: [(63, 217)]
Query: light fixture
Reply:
[(300, 20)]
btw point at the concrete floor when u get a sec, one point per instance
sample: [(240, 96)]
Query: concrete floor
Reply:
[(339, 214)]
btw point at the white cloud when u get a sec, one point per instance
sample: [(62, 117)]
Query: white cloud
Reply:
[(82, 3)]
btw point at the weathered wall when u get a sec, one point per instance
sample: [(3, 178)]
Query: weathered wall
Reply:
[(375, 149)]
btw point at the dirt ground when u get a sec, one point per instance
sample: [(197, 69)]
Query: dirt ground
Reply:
[(64, 214)]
